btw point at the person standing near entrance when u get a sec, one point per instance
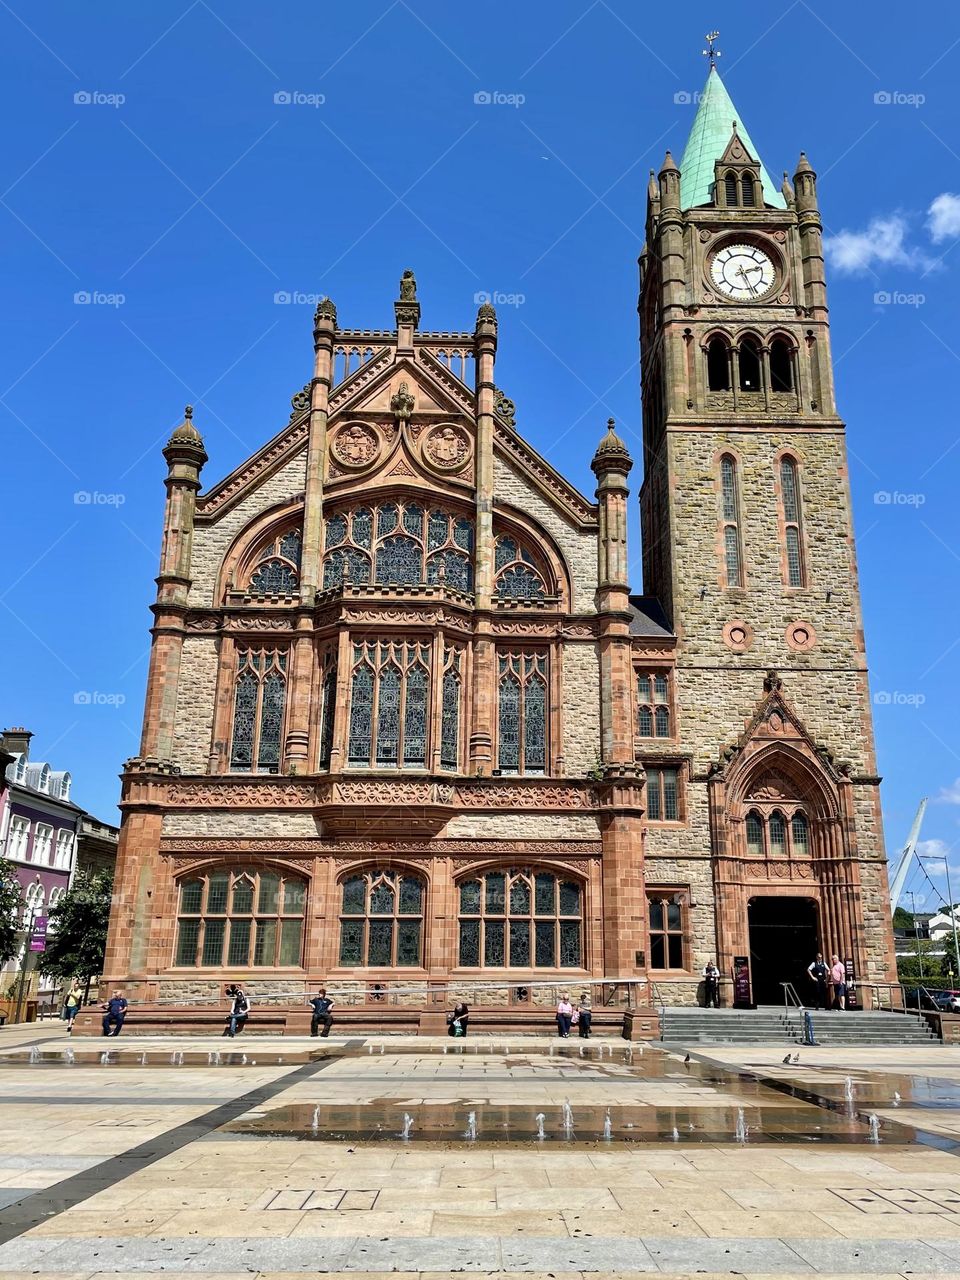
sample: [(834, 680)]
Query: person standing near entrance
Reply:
[(819, 973), (838, 976), (322, 1012), (711, 985)]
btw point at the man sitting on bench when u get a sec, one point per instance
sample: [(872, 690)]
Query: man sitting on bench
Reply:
[(322, 1006)]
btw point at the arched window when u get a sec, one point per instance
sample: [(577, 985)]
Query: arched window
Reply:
[(381, 919), (33, 898), (388, 704), (754, 825), (800, 833), (781, 366), (450, 710), (518, 576), (522, 718), (777, 834), (748, 363), (747, 193), (730, 522), (406, 543), (653, 705), (730, 193), (718, 365), (790, 509), (259, 698), (277, 572), (520, 919), (665, 912), (240, 918)]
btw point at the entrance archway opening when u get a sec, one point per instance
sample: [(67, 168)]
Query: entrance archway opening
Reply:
[(784, 939)]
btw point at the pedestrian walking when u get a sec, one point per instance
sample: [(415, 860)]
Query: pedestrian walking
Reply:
[(564, 1016), (115, 1010), (819, 973), (322, 1012), (711, 985), (239, 1010), (71, 1005), (838, 976)]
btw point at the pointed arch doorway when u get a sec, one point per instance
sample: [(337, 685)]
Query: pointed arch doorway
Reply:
[(784, 938)]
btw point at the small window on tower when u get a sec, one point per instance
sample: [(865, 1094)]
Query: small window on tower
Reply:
[(730, 191), (749, 362), (747, 191), (718, 365)]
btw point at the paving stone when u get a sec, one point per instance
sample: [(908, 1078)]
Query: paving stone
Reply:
[(866, 1257), (546, 1254), (673, 1253)]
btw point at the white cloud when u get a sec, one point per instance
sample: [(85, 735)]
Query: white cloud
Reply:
[(943, 221), (934, 848), (951, 794), (883, 242)]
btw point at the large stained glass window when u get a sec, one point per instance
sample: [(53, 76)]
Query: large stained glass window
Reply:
[(730, 522), (277, 571), (450, 709), (401, 543), (389, 704), (240, 918), (258, 710), (518, 575), (381, 920), (521, 919), (522, 712)]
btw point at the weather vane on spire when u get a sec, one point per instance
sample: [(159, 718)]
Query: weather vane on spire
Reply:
[(711, 51)]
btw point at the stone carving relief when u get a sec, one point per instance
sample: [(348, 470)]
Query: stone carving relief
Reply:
[(447, 447), (356, 445)]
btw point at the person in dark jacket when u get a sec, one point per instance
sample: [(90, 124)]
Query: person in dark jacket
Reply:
[(322, 1007), (819, 973), (115, 1010), (458, 1020), (583, 1017), (239, 1010)]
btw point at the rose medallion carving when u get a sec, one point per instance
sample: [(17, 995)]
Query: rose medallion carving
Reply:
[(447, 447), (356, 445)]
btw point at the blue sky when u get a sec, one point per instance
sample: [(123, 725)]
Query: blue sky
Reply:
[(148, 166)]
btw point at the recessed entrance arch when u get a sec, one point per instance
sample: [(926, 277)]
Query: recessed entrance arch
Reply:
[(784, 938)]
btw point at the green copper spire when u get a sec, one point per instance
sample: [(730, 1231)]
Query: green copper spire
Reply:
[(707, 143)]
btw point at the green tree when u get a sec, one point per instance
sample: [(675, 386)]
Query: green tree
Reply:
[(10, 904), (935, 967), (902, 919), (77, 938)]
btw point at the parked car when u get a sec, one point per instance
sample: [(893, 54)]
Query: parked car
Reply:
[(947, 1001), (934, 1001)]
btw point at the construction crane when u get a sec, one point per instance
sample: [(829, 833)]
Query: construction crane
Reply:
[(906, 857)]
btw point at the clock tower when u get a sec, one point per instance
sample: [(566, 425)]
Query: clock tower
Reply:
[(748, 542)]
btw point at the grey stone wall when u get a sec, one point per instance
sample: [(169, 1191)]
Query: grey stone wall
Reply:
[(580, 712), (196, 693)]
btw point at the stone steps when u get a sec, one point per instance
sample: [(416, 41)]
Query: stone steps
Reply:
[(762, 1026)]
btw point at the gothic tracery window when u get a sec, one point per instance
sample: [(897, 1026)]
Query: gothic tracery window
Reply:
[(450, 702), (521, 919), (399, 543), (389, 704), (277, 572), (240, 917), (259, 699), (777, 834), (328, 707), (381, 919), (518, 576), (522, 712)]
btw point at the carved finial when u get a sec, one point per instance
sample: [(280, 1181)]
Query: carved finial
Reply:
[(487, 311), (711, 51), (612, 454), (187, 436), (326, 310), (772, 682), (408, 286), (188, 413)]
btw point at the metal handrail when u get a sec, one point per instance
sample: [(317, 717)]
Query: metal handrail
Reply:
[(790, 992), (657, 996)]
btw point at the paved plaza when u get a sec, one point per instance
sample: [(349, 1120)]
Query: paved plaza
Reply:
[(284, 1157)]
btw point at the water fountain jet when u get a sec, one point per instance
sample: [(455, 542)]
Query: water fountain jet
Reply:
[(607, 1126), (540, 1117), (407, 1125), (741, 1131)]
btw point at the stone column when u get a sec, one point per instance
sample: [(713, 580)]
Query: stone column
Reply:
[(483, 699), (611, 465), (624, 891), (324, 332)]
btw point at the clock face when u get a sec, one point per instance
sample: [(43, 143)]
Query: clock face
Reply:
[(742, 272)]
